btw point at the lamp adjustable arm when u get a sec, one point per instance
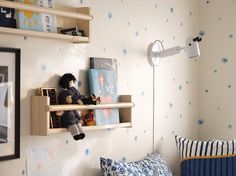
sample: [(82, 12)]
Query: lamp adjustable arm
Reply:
[(169, 52)]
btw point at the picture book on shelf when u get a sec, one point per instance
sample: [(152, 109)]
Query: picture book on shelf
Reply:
[(103, 63), (103, 84), (37, 21)]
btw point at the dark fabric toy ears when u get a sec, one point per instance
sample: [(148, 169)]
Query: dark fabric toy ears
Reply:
[(65, 79)]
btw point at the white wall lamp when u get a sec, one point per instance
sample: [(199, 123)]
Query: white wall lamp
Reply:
[(157, 51)]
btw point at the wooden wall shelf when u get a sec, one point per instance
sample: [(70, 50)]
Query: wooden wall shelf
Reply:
[(40, 114), (65, 17)]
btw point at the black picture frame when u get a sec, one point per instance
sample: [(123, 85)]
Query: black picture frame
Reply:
[(9, 103)]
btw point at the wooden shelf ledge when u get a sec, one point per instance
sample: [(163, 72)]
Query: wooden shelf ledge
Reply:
[(83, 107), (22, 32), (28, 7), (92, 128)]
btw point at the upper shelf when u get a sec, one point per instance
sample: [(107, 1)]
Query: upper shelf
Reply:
[(33, 8), (65, 18)]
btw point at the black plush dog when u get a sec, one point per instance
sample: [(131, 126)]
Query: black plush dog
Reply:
[(67, 82)]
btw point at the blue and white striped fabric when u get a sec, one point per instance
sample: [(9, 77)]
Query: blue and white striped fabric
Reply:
[(206, 158), (194, 148)]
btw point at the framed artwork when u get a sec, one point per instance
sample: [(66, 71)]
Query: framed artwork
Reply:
[(9, 103)]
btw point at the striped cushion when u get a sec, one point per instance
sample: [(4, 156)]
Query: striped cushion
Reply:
[(194, 148)]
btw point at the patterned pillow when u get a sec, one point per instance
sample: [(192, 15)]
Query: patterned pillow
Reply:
[(152, 165), (193, 148)]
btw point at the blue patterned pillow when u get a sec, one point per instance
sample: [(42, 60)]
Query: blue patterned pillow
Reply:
[(153, 165)]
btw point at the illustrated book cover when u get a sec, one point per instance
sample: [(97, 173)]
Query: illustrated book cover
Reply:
[(37, 21), (103, 84)]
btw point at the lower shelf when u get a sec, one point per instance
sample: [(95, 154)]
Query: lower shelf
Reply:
[(92, 128), (40, 114)]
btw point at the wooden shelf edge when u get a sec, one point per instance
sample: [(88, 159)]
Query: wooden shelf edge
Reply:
[(92, 128), (28, 7), (22, 32), (83, 107)]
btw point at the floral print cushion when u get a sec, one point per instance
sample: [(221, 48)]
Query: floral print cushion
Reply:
[(152, 165)]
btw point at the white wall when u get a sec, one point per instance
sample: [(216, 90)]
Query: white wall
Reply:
[(121, 29), (218, 84)]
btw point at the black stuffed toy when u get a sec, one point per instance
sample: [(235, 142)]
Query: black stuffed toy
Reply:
[(67, 82), (70, 119)]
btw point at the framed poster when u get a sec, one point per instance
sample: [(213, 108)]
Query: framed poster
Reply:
[(9, 103)]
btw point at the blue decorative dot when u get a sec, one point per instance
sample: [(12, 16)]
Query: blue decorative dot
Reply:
[(229, 86), (67, 142), (136, 138), (124, 51), (23, 172), (25, 38), (218, 108), (190, 13), (190, 103), (104, 49), (136, 33), (173, 37), (207, 2), (173, 79), (128, 23), (79, 83), (123, 159), (172, 10), (43, 66), (162, 138), (224, 60), (142, 93), (186, 82), (81, 1), (219, 18), (181, 24), (231, 36), (206, 90), (155, 5), (167, 20), (200, 121), (215, 71), (180, 87), (144, 131), (201, 33), (166, 116), (171, 105), (145, 28), (86, 152), (180, 116), (173, 132), (229, 126), (109, 15)]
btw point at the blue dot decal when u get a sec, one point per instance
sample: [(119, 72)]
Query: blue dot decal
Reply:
[(201, 33), (171, 105), (86, 152), (215, 71), (136, 138), (43, 66), (200, 121), (224, 60), (109, 15), (231, 36), (123, 159), (229, 86), (124, 51), (180, 87), (206, 90), (229, 126), (136, 33), (67, 142), (81, 1), (171, 10), (23, 172)]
